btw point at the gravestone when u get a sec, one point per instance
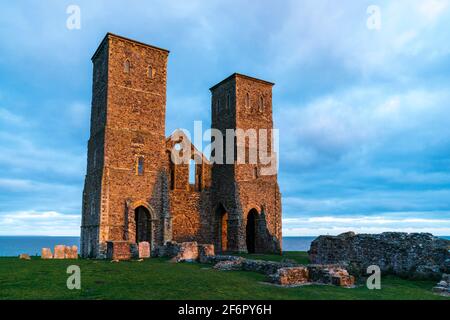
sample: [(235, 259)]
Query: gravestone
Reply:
[(144, 250), (59, 252), (46, 254)]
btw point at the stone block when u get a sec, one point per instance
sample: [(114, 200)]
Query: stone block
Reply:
[(46, 253), (118, 250), (24, 256), (330, 274), (144, 250), (291, 276), (186, 251), (205, 252), (59, 252)]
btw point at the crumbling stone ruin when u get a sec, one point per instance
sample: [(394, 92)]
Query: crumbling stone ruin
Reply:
[(133, 190), (286, 273), (408, 255)]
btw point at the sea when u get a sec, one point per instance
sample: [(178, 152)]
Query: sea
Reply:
[(11, 246)]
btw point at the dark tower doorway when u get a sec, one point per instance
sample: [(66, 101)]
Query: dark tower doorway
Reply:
[(143, 224), (251, 231), (222, 217)]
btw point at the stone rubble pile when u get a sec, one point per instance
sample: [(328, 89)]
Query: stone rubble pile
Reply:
[(443, 287), (415, 255)]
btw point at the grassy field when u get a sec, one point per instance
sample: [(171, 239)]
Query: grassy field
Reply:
[(160, 279)]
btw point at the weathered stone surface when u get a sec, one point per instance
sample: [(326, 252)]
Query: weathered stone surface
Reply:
[(71, 252), (24, 256), (443, 287), (290, 276), (46, 253), (188, 252), (410, 255), (266, 267), (118, 250), (59, 252), (134, 192), (229, 265), (179, 252), (205, 251), (330, 274), (286, 273), (144, 250)]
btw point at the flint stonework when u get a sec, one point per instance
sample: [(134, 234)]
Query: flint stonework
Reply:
[(134, 191), (415, 255)]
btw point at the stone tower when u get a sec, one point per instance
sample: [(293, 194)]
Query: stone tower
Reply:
[(125, 193), (246, 199)]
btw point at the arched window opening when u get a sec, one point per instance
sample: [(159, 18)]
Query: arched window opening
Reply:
[(228, 102), (261, 104), (247, 100), (151, 72), (126, 66), (140, 166)]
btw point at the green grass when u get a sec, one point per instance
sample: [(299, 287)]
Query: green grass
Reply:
[(160, 279)]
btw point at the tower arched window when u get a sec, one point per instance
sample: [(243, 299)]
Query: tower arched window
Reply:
[(140, 166), (151, 72), (228, 102), (261, 104), (247, 100), (126, 66)]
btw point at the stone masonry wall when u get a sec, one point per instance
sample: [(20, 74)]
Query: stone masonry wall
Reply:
[(411, 255)]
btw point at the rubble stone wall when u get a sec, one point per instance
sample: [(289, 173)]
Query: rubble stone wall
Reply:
[(409, 255)]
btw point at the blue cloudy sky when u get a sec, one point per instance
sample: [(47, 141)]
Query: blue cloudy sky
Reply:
[(364, 115)]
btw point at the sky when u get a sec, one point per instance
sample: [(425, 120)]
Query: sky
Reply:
[(362, 102)]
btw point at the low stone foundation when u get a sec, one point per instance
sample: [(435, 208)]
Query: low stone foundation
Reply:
[(287, 273)]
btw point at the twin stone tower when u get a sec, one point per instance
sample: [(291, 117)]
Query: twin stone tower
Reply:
[(135, 192)]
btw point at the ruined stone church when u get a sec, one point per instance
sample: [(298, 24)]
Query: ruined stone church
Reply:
[(134, 192)]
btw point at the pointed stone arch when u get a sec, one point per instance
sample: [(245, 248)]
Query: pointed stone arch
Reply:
[(134, 209)]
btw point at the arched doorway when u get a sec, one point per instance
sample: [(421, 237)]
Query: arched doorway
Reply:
[(143, 224), (251, 231), (222, 217)]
